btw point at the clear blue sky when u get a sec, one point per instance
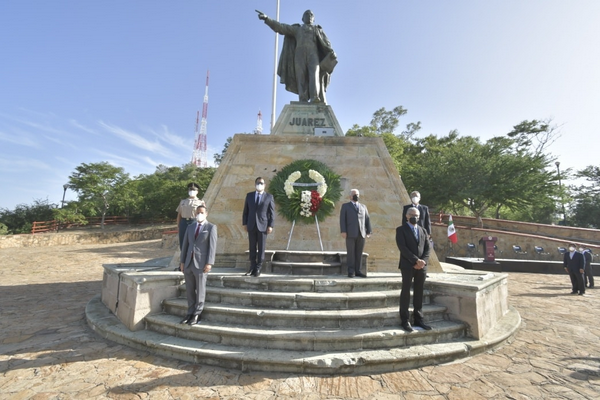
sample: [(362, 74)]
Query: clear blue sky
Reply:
[(121, 81)]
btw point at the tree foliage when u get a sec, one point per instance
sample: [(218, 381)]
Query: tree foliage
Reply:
[(20, 220), (585, 210)]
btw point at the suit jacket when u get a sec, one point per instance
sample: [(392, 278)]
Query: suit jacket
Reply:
[(424, 219), (260, 215), (203, 247), (587, 256), (355, 223), (410, 249), (574, 264)]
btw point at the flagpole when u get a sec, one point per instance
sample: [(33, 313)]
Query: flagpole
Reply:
[(273, 101)]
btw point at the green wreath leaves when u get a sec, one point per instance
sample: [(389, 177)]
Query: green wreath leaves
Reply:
[(295, 207)]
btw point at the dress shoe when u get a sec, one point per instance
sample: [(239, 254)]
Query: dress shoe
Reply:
[(186, 319), (195, 319), (350, 275), (581, 293), (422, 324), (360, 274), (256, 273), (574, 292), (406, 326)]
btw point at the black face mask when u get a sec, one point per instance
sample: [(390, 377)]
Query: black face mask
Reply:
[(413, 220), (355, 197)]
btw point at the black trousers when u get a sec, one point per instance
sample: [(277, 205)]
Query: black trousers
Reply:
[(408, 276), (577, 281), (257, 240), (589, 275)]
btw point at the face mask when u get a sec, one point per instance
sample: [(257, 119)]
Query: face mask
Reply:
[(260, 187), (355, 197), (571, 249), (415, 200), (413, 220), (201, 218), (193, 193), (581, 249)]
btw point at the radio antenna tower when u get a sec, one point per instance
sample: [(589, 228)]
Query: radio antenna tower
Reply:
[(199, 154), (258, 130)]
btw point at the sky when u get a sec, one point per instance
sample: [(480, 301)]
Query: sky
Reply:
[(122, 81)]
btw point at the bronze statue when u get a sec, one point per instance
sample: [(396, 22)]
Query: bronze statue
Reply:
[(307, 59)]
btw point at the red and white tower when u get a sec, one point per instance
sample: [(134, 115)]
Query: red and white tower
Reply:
[(199, 155), (258, 130)]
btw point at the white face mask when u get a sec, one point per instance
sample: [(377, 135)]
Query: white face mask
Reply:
[(260, 187), (571, 249), (201, 218), (193, 193), (416, 200), (581, 249)]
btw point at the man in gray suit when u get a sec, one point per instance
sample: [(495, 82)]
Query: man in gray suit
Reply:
[(197, 257), (355, 226)]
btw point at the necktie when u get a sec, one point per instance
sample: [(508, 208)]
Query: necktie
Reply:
[(257, 198), (416, 231), (197, 230), (356, 206)]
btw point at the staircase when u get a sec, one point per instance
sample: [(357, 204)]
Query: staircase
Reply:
[(322, 323)]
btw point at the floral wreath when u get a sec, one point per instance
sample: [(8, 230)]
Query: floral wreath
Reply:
[(305, 189)]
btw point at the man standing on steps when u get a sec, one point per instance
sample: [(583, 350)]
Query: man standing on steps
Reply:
[(258, 218), (197, 258), (413, 244), (589, 271), (355, 226)]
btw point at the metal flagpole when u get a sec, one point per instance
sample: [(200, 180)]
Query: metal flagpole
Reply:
[(275, 73)]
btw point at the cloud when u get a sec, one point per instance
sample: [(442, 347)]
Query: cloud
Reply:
[(172, 139), (83, 128), (21, 139), (137, 140), (21, 164)]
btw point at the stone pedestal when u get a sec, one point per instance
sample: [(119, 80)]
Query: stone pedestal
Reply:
[(308, 119), (362, 162)]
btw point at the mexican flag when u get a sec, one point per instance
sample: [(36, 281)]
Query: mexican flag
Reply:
[(451, 231)]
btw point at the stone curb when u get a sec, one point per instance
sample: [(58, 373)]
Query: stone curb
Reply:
[(324, 363)]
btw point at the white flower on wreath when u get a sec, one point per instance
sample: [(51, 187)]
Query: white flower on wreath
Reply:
[(305, 203), (288, 185), (317, 177)]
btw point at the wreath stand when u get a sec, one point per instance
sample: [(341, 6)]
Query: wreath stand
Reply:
[(316, 219)]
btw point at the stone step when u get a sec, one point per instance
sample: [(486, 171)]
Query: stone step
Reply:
[(306, 256), (323, 362), (316, 319), (304, 339), (234, 278), (306, 268), (306, 300)]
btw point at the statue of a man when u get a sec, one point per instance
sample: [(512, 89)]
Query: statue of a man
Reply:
[(307, 59)]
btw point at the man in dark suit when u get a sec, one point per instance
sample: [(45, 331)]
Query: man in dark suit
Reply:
[(197, 258), (413, 244), (574, 264), (258, 218), (355, 226), (424, 219), (589, 270)]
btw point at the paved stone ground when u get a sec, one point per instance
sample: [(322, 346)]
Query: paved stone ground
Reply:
[(47, 351)]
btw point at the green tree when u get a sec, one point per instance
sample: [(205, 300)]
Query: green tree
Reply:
[(97, 185), (586, 207), (219, 157), (20, 220), (161, 192)]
